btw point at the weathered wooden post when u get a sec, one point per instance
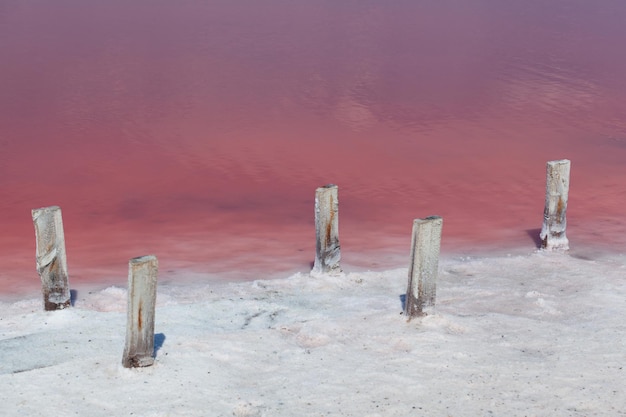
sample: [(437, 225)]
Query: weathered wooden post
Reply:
[(142, 285), (554, 221), (51, 258), (327, 249), (425, 247)]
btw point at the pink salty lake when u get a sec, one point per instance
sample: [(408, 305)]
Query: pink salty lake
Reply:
[(198, 131)]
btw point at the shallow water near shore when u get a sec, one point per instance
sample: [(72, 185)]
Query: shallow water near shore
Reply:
[(199, 131)]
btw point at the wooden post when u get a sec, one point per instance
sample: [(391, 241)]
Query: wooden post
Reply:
[(554, 221), (142, 284), (425, 246), (51, 258), (327, 249)]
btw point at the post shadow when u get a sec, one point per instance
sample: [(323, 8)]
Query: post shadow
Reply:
[(534, 235), (159, 340), (403, 301)]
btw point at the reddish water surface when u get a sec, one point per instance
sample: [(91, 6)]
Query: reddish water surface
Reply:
[(198, 131)]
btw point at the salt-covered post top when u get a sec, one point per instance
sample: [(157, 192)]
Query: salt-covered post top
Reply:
[(553, 237)]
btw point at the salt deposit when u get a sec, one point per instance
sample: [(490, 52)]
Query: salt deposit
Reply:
[(539, 335)]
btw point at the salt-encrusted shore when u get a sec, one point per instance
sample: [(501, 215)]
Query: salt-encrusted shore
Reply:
[(541, 334)]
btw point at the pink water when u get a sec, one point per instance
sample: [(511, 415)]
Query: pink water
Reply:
[(198, 131)]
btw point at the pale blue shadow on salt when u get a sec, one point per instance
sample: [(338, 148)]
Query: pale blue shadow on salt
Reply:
[(159, 339)]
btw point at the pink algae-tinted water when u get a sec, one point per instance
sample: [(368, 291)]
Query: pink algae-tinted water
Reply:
[(198, 131)]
